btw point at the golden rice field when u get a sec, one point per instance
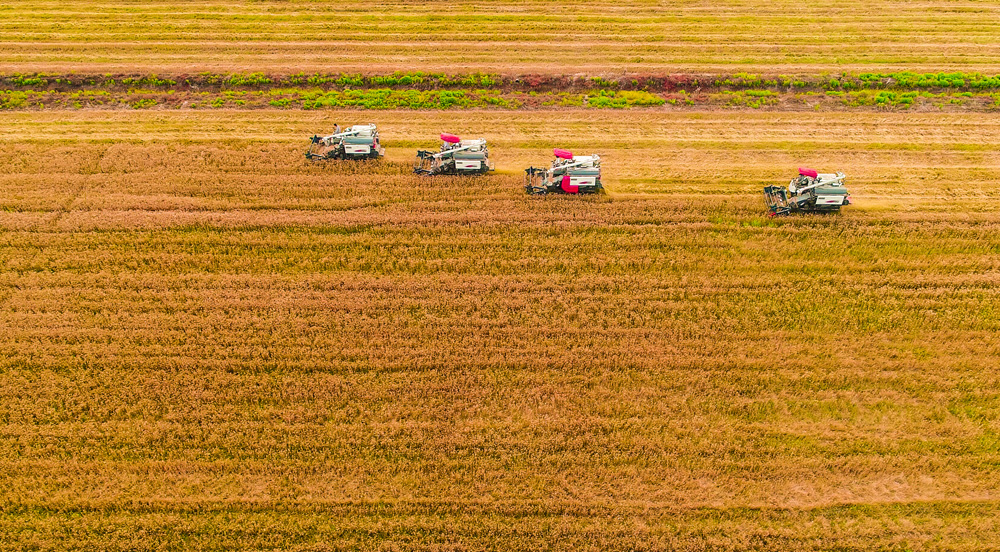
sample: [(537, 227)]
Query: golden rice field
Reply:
[(602, 36), (207, 343)]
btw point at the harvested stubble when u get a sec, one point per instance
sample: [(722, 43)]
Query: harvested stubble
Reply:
[(209, 343), (524, 36)]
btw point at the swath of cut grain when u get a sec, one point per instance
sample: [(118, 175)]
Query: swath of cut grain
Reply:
[(529, 37)]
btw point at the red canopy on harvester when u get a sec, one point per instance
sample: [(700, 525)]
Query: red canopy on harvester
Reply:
[(567, 187), (808, 172), (450, 138), (562, 154)]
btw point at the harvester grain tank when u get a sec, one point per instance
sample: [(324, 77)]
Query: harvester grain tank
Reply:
[(356, 142), (456, 156), (809, 192), (569, 174)]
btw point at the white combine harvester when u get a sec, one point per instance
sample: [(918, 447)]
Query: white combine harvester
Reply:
[(356, 142), (809, 192), (569, 174), (456, 156)]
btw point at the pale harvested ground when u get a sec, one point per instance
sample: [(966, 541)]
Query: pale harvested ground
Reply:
[(457, 36), (208, 343)]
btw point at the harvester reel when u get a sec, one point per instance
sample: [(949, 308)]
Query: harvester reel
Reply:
[(425, 165), (534, 181), (777, 201), (316, 150)]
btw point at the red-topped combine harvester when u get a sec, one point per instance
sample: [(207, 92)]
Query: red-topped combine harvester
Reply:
[(569, 174), (456, 156), (810, 192)]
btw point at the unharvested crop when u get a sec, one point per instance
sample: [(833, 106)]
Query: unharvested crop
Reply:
[(211, 343)]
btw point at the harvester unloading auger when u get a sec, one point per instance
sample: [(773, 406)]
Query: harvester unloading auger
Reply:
[(457, 156), (356, 142), (809, 192), (568, 174)]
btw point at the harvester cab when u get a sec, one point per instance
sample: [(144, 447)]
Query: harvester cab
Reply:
[(568, 174), (456, 156), (809, 192), (356, 142)]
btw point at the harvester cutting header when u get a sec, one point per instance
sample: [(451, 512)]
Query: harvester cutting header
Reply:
[(356, 142), (456, 156), (569, 174), (809, 192)]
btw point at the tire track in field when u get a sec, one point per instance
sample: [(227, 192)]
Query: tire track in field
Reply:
[(64, 209)]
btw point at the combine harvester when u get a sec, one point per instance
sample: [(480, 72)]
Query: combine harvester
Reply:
[(356, 142), (568, 174), (811, 192), (457, 156)]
